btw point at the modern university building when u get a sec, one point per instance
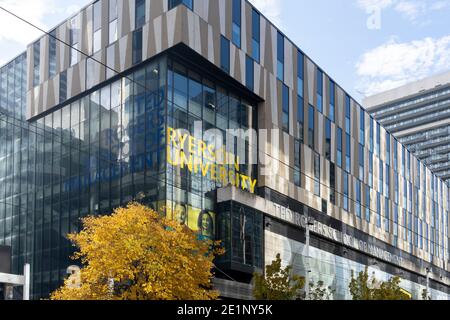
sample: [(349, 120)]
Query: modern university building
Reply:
[(79, 137)]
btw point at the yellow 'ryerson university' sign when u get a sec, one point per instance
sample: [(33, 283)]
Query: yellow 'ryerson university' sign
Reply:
[(185, 151)]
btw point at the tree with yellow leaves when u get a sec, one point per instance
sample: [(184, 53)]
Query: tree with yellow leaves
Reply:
[(137, 254)]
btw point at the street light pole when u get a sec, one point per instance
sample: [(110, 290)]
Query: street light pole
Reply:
[(27, 281), (308, 224)]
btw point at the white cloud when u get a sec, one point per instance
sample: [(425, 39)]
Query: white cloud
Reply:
[(369, 5), (394, 64), (271, 9), (409, 9), (12, 29)]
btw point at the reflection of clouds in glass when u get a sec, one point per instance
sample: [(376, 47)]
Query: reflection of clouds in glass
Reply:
[(333, 270)]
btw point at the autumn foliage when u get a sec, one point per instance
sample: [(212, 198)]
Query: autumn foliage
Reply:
[(362, 287), (136, 254), (278, 283)]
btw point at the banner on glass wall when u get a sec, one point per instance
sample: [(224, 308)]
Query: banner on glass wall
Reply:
[(198, 220), (212, 162)]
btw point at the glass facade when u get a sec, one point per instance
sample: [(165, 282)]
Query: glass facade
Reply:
[(236, 26), (104, 150), (187, 3)]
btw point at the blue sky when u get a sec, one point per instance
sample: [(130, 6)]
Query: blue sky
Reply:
[(366, 46)]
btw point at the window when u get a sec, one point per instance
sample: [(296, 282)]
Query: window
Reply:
[(327, 139), (137, 46), (300, 73), (405, 224), (395, 156), (249, 73), (332, 100), (358, 199), (73, 41), (317, 174), (348, 149), (297, 163), (285, 114), (346, 208), (408, 165), (62, 86), (395, 221), (280, 56), (319, 90), (225, 54), (396, 185), (380, 177), (339, 147), (52, 54), (187, 3), (387, 182), (97, 26), (361, 162), (311, 127), (370, 169), (388, 149), (195, 93), (139, 14), (403, 168), (405, 192), (113, 16), (387, 215), (367, 204), (347, 114), (362, 126), (36, 63), (377, 150), (371, 135), (332, 183), (181, 88), (378, 210), (300, 118), (256, 34), (237, 16)]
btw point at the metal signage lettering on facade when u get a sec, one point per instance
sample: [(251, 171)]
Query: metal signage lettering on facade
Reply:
[(333, 234)]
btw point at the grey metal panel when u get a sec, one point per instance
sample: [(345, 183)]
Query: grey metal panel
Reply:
[(88, 39), (215, 13), (30, 52), (157, 8), (124, 21), (44, 58), (125, 57), (5, 259), (201, 8)]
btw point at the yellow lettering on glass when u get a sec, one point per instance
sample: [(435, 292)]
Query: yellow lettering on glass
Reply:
[(196, 155)]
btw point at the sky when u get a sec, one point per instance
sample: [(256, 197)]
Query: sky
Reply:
[(366, 46)]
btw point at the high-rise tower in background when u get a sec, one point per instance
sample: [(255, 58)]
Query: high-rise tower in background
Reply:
[(418, 115)]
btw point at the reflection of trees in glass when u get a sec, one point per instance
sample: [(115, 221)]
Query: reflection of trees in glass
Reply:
[(362, 287)]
